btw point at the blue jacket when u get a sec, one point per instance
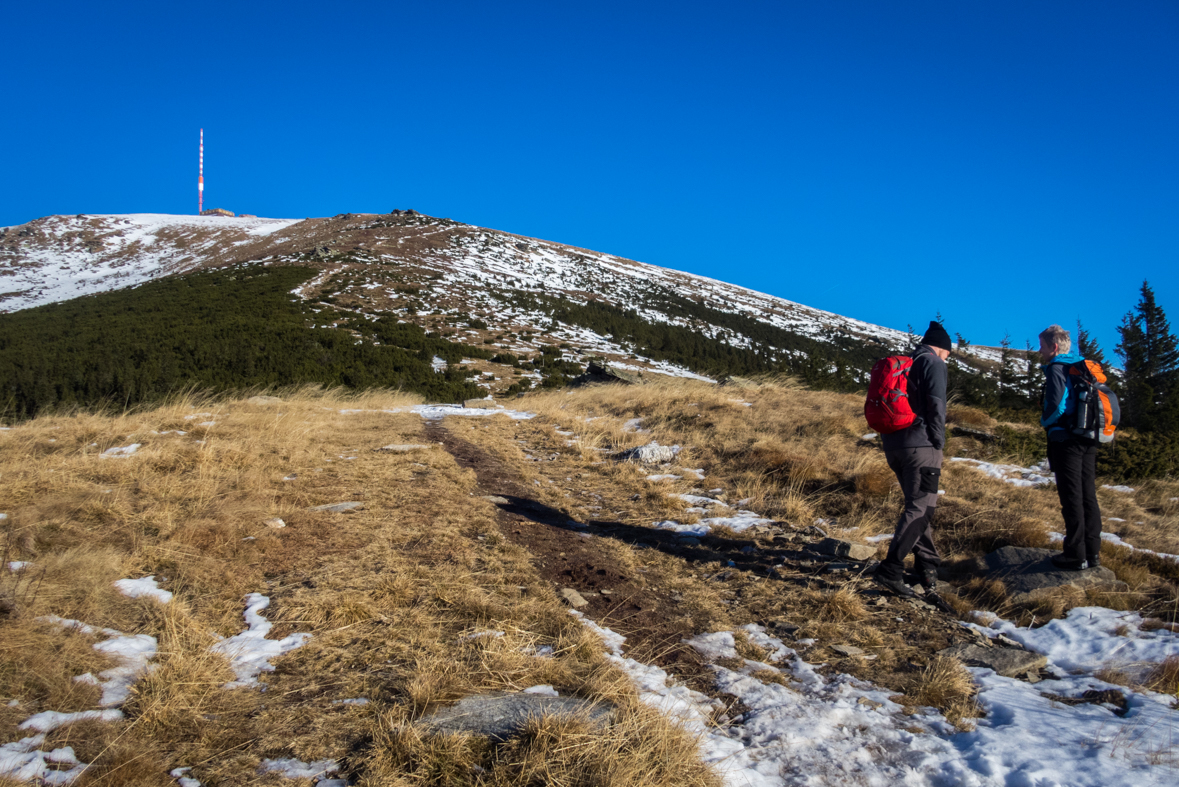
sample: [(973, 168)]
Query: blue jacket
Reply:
[(1059, 401)]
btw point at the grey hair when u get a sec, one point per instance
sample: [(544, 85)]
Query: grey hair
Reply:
[(1055, 334)]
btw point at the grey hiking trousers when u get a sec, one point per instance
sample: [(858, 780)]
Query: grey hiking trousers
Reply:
[(918, 470)]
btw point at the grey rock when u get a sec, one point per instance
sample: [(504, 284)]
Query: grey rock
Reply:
[(839, 548), (264, 400), (650, 454), (847, 650), (497, 500), (502, 716), (982, 435), (1029, 576), (573, 598), (339, 508), (599, 372), (1008, 662), (402, 448)]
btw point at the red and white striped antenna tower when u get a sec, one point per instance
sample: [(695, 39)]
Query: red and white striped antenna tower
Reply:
[(201, 178)]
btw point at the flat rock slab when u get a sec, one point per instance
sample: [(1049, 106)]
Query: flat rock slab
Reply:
[(650, 454), (402, 448), (502, 716), (1029, 576), (847, 650), (339, 508), (839, 548), (499, 501), (1008, 662)]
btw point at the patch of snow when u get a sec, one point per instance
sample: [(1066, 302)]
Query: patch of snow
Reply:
[(1038, 475), (24, 761), (297, 769), (127, 450), (50, 720), (249, 652), (544, 690), (1113, 539), (878, 539), (1123, 489), (19, 565), (139, 588), (184, 781)]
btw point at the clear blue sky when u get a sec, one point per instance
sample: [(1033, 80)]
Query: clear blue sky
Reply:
[(1010, 164)]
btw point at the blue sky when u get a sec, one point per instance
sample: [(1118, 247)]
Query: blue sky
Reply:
[(1007, 164)]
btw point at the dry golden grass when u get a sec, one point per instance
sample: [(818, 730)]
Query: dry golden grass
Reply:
[(401, 598), (947, 685)]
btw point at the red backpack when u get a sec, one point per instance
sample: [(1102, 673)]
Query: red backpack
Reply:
[(887, 408)]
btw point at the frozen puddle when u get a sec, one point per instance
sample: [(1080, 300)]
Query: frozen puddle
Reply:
[(837, 729)]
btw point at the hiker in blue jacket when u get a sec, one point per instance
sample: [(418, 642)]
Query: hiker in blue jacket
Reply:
[(1073, 459), (914, 455)]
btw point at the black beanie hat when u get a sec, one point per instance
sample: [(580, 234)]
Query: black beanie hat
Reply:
[(936, 336)]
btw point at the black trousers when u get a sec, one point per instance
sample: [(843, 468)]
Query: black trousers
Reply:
[(1075, 465)]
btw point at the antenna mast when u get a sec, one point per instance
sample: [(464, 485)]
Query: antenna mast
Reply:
[(201, 178)]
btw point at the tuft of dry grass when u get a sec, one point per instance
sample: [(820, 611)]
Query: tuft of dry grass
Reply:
[(946, 684)]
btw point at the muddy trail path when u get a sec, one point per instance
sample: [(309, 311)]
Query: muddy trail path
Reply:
[(576, 554)]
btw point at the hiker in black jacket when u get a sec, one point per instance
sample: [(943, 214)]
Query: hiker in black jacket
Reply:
[(915, 455), (1073, 459)]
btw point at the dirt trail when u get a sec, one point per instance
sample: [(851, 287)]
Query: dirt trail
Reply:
[(566, 554)]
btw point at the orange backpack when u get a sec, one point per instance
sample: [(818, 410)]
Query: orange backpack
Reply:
[(1097, 411)]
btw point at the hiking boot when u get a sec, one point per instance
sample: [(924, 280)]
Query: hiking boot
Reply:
[(1067, 564), (895, 586), (929, 580), (1094, 562)]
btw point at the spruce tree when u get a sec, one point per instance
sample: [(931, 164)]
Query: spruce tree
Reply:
[(1150, 355), (1009, 385), (1088, 347), (1032, 379)]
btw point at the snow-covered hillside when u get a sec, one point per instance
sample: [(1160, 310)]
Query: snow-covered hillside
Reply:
[(406, 263)]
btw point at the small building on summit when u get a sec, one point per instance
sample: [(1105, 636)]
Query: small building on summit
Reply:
[(217, 212)]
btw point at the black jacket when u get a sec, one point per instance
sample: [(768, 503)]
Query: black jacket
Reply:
[(927, 397)]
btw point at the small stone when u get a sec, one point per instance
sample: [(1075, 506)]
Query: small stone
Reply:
[(606, 592), (264, 400), (847, 650), (873, 704), (275, 523), (497, 500), (1033, 676), (402, 448), (573, 598), (880, 601), (339, 508), (840, 548)]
